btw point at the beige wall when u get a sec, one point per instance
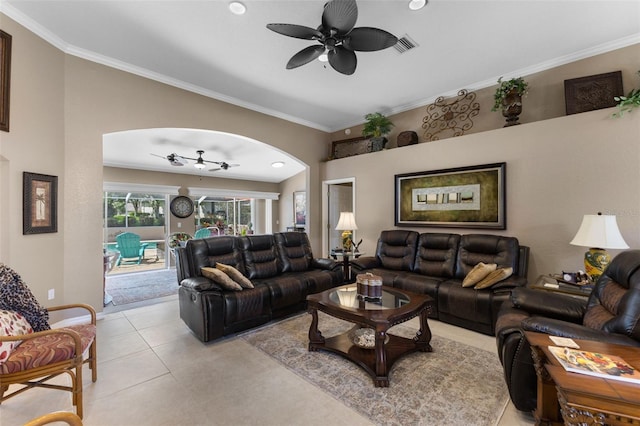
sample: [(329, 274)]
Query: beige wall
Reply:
[(544, 101), (61, 106), (557, 171)]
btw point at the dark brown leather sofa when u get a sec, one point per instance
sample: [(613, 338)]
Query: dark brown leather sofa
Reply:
[(280, 266), (611, 314), (435, 264)]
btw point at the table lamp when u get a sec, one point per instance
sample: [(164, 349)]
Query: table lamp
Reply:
[(346, 223), (598, 232)]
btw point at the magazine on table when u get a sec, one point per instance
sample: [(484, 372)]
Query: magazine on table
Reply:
[(595, 364)]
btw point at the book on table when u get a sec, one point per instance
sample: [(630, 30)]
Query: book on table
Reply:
[(595, 364)]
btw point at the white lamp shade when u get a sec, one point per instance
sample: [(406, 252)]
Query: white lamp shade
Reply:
[(346, 222), (599, 231)]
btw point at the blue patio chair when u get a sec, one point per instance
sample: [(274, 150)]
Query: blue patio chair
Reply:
[(128, 244), (202, 233)]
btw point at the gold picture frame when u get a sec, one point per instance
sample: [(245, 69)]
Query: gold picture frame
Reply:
[(464, 197), (40, 203)]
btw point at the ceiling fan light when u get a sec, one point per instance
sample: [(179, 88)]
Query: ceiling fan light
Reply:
[(199, 164), (277, 164), (324, 57), (417, 4), (237, 8)]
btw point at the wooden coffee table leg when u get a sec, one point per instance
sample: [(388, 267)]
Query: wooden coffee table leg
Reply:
[(423, 336), (316, 339), (382, 375)]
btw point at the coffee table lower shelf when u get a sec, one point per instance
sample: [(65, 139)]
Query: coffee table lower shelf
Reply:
[(394, 349)]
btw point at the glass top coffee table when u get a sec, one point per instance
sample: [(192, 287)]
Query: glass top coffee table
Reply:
[(368, 344)]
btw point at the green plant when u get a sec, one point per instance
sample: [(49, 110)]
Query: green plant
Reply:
[(376, 125), (504, 87), (627, 103)]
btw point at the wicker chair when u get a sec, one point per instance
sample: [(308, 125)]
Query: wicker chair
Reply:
[(44, 353)]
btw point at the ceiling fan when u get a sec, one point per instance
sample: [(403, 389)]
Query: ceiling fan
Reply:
[(179, 160), (337, 37)]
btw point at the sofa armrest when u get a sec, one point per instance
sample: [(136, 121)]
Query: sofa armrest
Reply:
[(552, 305), (199, 284), (364, 262), (561, 328), (509, 283), (327, 264)]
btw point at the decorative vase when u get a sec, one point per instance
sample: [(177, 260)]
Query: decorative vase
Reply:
[(378, 144), (512, 107)]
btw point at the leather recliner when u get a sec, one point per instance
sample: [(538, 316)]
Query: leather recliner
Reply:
[(611, 314)]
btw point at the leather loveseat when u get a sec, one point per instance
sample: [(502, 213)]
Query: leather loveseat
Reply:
[(281, 268), (611, 314), (436, 264)]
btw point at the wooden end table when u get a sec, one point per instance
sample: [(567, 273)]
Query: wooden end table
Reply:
[(579, 399), (395, 306)]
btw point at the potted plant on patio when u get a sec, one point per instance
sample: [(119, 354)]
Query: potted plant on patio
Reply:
[(508, 98), (377, 126)]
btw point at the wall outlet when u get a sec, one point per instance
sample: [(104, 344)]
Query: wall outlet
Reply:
[(179, 224), (52, 294)]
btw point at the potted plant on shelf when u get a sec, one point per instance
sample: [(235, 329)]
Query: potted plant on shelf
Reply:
[(508, 99), (376, 127), (627, 103)]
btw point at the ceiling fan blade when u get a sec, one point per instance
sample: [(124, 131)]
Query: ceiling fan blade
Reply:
[(341, 15), (343, 60), (297, 31), (215, 170), (366, 39), (305, 56)]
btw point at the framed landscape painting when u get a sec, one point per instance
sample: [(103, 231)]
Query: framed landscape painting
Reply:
[(300, 208), (465, 197), (40, 203)]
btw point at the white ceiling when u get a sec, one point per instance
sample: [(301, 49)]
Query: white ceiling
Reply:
[(202, 47)]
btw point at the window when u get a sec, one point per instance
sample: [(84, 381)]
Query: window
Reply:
[(225, 215), (128, 209)]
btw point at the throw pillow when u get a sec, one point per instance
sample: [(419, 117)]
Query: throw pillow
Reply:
[(15, 296), (478, 273), (494, 277), (235, 275), (11, 324), (220, 278)]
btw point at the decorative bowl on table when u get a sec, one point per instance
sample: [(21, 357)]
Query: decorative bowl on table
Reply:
[(364, 338)]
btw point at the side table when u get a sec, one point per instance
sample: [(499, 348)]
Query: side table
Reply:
[(549, 283), (346, 259), (577, 399)]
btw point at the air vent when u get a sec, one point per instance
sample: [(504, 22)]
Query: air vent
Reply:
[(404, 44)]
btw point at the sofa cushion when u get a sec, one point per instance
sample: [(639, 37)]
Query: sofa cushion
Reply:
[(294, 251), (436, 254), (396, 249), (15, 296), (260, 256), (220, 278), (11, 324), (478, 273), (235, 275), (476, 248), (494, 277)]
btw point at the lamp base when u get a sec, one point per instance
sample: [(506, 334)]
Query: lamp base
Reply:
[(346, 240), (596, 261)]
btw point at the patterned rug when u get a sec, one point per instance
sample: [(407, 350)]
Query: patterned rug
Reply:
[(140, 286), (455, 384)]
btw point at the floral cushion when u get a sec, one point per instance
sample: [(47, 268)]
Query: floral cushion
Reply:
[(46, 350), (11, 324), (15, 296)]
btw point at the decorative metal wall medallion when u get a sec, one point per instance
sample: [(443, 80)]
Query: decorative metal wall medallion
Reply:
[(451, 117)]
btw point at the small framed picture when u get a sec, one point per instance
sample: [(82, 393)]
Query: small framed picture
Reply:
[(40, 203), (300, 208)]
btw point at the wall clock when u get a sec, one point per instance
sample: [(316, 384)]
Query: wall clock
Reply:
[(181, 206)]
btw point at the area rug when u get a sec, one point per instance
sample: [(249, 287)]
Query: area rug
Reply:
[(140, 286), (456, 384)]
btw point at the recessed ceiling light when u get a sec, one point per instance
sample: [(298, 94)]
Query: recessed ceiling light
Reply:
[(417, 4), (237, 8), (277, 164)]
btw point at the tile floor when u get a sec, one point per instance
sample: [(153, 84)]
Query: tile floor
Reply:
[(150, 372)]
